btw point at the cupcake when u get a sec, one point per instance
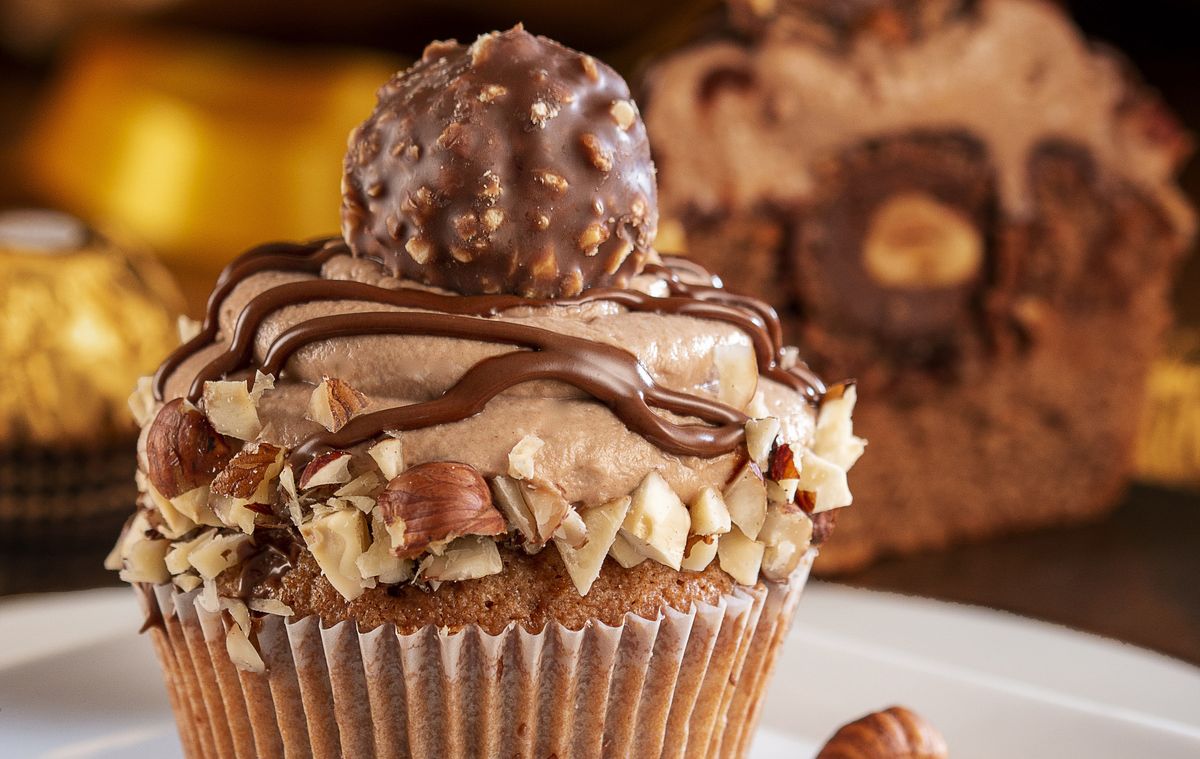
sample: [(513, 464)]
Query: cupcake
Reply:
[(487, 476), (965, 205), (82, 316)]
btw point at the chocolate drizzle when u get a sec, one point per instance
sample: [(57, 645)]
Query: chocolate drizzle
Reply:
[(279, 256), (608, 373), (267, 566)]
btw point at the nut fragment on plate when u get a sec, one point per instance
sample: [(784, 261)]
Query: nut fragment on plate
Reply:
[(333, 403), (894, 733), (431, 504)]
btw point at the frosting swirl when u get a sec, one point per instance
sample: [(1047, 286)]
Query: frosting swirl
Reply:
[(307, 311)]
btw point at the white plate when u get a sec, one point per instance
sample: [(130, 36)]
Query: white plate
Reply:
[(997, 685)]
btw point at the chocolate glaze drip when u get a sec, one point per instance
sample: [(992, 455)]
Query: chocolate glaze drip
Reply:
[(285, 256), (609, 374), (266, 567)]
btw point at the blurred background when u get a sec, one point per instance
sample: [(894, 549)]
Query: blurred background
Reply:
[(182, 132)]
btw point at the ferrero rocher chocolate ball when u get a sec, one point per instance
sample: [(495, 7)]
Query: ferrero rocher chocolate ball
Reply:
[(512, 165)]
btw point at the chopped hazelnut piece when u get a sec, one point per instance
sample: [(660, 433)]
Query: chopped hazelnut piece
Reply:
[(388, 455), (737, 374), (521, 457), (336, 540), (572, 531), (657, 523), (434, 503), (585, 561), (334, 403), (834, 439), (709, 514), (332, 468), (231, 410), (760, 439), (826, 481), (740, 556), (242, 652), (746, 499), (546, 505), (507, 492), (465, 559), (787, 534), (624, 553), (624, 113), (699, 553)]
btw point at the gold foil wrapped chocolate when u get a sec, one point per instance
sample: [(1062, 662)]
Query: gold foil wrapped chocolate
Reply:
[(81, 320), (197, 146)]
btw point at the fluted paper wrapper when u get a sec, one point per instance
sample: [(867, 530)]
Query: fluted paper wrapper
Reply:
[(683, 685)]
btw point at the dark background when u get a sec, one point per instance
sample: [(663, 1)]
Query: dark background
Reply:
[(1134, 576)]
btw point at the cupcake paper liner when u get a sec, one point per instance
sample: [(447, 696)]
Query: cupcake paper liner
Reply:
[(687, 684)]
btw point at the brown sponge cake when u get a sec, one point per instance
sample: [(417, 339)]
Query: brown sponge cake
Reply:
[(966, 206)]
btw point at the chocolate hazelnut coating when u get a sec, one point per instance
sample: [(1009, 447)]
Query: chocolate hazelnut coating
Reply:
[(513, 165)]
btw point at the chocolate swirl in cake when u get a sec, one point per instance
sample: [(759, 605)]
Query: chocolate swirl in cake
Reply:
[(609, 374)]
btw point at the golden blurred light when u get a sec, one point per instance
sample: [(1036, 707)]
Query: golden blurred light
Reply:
[(201, 147), (1168, 444)]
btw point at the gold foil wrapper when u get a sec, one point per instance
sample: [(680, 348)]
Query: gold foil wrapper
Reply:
[(198, 146), (1168, 445), (81, 320)]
